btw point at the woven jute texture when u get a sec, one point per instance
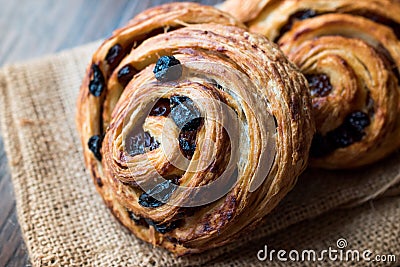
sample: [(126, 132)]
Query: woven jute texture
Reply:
[(64, 221)]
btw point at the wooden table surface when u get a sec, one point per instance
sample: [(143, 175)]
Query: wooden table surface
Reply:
[(32, 28)]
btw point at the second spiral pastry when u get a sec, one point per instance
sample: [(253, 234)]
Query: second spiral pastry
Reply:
[(350, 53)]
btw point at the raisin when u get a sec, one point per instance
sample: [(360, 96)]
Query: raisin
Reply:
[(350, 132), (163, 228), (344, 136), (193, 124), (320, 85), (139, 142), (94, 145), (99, 182), (305, 14), (97, 84), (176, 100), (114, 55), (168, 68), (184, 113), (187, 143), (188, 118), (161, 108), (135, 144), (358, 120), (136, 219), (150, 142), (125, 74), (299, 15), (157, 196)]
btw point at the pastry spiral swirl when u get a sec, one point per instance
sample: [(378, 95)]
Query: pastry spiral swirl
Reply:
[(350, 54), (193, 131)]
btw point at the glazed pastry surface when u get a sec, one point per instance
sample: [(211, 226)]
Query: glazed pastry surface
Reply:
[(192, 128), (350, 53)]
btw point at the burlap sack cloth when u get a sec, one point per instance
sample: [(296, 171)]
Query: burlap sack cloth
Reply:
[(64, 221)]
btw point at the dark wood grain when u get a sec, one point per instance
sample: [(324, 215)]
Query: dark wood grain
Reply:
[(31, 29)]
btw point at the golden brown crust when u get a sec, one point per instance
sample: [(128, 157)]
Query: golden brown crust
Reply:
[(244, 10), (221, 64), (356, 45)]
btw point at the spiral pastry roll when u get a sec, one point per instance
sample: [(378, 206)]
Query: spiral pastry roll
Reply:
[(193, 131), (350, 54)]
